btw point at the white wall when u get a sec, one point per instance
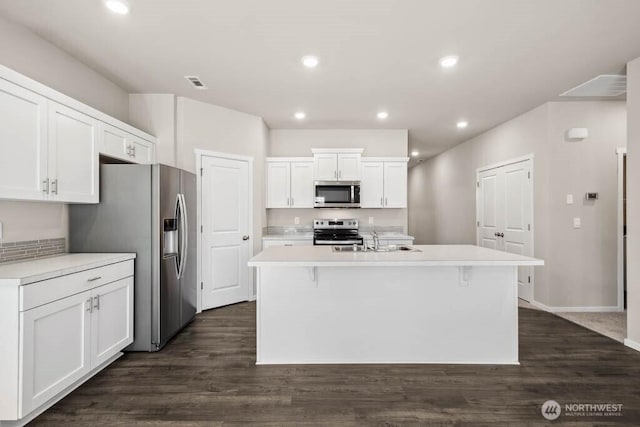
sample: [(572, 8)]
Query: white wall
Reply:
[(31, 55), (156, 114), (209, 127), (580, 265), (375, 142), (633, 202)]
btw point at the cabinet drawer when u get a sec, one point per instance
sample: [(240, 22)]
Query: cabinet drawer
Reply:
[(39, 293)]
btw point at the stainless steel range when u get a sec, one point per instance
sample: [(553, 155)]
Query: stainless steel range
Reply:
[(336, 232)]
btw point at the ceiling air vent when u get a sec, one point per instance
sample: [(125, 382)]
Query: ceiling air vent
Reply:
[(603, 85), (195, 82)]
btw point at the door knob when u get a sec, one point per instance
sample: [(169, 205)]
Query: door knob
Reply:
[(245, 237)]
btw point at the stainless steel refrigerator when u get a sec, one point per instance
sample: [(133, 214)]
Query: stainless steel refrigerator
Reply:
[(149, 210)]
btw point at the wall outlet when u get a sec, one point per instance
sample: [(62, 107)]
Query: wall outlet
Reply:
[(577, 223), (370, 220), (569, 199), (0, 230), (296, 220)]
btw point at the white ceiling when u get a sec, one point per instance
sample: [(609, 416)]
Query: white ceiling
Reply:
[(375, 54)]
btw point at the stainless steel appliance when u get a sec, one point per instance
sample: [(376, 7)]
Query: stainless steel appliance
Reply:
[(149, 210), (337, 194), (336, 232)]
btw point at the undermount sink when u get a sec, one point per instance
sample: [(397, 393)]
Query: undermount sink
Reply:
[(390, 248)]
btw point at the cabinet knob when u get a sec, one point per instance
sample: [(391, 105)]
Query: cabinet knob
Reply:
[(96, 303), (89, 305)]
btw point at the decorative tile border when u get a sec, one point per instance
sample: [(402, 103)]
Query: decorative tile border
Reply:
[(17, 251)]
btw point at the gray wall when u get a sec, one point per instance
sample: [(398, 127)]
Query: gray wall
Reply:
[(580, 268), (633, 202), (156, 114), (31, 55)]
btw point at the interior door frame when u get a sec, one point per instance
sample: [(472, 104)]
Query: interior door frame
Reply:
[(620, 153), (200, 154), (479, 170)]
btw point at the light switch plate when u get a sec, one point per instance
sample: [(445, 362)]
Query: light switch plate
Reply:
[(569, 199), (371, 220), (577, 223), (296, 220)]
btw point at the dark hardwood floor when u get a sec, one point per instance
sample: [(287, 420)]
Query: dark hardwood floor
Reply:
[(206, 376)]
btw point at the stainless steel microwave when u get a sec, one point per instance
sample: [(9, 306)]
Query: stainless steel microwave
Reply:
[(337, 194)]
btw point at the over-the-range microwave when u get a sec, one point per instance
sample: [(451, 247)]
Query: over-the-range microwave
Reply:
[(337, 194)]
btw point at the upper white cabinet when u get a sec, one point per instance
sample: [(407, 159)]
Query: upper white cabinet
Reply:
[(51, 144), (73, 155), (290, 183), (337, 164), (384, 183), (23, 143)]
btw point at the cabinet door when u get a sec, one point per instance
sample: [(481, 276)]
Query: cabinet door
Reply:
[(142, 152), (23, 143), (349, 167), (112, 322), (73, 155), (325, 167), (114, 143), (302, 188), (372, 185), (395, 185), (54, 347), (278, 184)]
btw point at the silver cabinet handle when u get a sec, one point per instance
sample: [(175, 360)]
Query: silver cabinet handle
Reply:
[(93, 279), (45, 186), (245, 237), (54, 186), (288, 202), (128, 150), (386, 201), (90, 305), (335, 174), (340, 174), (381, 201), (133, 150), (96, 303), (292, 201)]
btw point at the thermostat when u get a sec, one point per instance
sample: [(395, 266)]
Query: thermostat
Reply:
[(591, 196)]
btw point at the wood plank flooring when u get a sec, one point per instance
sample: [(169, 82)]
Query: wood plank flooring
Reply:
[(206, 376)]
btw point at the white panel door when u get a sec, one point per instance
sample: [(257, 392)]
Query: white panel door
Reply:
[(55, 348), (325, 167), (349, 167), (73, 155), (112, 322), (372, 185), (278, 184), (518, 217), (226, 231), (395, 184), (23, 143), (302, 188), (505, 215), (489, 209)]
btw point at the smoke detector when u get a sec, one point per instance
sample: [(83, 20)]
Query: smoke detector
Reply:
[(196, 82), (602, 85)]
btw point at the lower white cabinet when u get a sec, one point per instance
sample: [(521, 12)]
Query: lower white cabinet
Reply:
[(67, 329)]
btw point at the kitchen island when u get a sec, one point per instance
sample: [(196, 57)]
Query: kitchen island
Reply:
[(439, 304)]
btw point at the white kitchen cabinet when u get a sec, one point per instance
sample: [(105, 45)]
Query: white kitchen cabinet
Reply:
[(290, 183), (62, 320), (384, 183), (122, 145), (73, 155), (23, 143), (55, 348), (334, 164)]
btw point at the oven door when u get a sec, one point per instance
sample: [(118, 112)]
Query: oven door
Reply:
[(326, 237), (337, 195)]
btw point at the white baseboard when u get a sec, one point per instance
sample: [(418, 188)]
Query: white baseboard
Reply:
[(574, 309), (632, 344)]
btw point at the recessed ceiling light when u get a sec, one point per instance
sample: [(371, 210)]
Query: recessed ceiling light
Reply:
[(300, 115), (310, 61), (462, 124), (414, 154), (121, 7), (448, 61), (383, 115)]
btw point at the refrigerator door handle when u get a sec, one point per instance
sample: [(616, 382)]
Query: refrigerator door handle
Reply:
[(184, 234), (179, 219)]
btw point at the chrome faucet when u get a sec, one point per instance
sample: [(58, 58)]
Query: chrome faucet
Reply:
[(376, 241)]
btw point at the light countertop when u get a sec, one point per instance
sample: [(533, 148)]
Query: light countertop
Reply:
[(429, 255), (24, 272), (309, 236)]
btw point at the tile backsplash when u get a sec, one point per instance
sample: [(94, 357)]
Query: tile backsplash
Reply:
[(30, 249)]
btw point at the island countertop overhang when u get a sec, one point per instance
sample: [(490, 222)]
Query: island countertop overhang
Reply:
[(428, 256)]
